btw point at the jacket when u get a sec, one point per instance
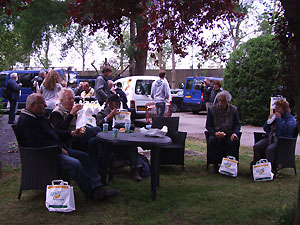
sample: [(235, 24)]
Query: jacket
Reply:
[(14, 89), (160, 91), (285, 126), (214, 124), (101, 89), (37, 131)]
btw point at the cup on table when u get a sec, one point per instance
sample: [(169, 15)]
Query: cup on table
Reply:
[(148, 126), (105, 127), (127, 127), (115, 132)]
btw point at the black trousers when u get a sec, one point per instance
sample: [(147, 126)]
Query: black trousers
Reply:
[(223, 147), (263, 150)]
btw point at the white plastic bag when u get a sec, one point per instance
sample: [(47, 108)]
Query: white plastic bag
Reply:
[(262, 171), (60, 197), (155, 132), (85, 116), (122, 117), (229, 166)]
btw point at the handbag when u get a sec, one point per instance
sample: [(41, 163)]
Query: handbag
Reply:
[(229, 166), (60, 197), (262, 171)]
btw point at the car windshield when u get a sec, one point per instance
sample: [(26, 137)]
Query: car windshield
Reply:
[(143, 87)]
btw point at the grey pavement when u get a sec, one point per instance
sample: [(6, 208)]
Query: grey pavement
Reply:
[(194, 125)]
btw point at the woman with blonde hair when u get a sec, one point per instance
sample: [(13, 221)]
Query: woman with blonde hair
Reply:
[(49, 89)]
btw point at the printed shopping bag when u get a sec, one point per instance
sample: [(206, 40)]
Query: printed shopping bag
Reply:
[(229, 166), (85, 117), (60, 197), (262, 171), (122, 118)]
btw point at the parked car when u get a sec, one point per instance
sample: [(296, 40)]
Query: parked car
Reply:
[(25, 77), (177, 100), (193, 96), (138, 91)]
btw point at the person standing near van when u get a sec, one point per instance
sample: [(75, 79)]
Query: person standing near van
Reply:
[(101, 85), (206, 88), (216, 89), (14, 90), (49, 89), (160, 93)]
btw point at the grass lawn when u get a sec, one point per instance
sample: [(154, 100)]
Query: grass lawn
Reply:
[(191, 197)]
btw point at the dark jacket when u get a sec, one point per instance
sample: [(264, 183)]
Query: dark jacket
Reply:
[(14, 89), (213, 95), (285, 126), (62, 125), (230, 114), (36, 131), (101, 89), (206, 92), (123, 97)]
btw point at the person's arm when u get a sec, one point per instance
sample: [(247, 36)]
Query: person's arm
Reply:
[(209, 124), (153, 90), (167, 90), (15, 86), (237, 123), (286, 127), (99, 86), (58, 121)]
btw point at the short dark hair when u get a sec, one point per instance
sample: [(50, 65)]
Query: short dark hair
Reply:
[(119, 84), (162, 73), (113, 98), (106, 68)]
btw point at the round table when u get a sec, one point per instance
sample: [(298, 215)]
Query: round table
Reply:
[(137, 139)]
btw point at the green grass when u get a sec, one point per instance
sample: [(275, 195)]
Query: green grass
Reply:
[(191, 197)]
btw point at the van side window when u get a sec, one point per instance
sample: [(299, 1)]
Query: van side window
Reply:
[(143, 87), (25, 79), (189, 84), (197, 85), (2, 80)]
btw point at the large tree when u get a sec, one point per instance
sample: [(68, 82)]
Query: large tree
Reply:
[(180, 22)]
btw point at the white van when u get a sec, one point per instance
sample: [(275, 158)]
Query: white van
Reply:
[(138, 91)]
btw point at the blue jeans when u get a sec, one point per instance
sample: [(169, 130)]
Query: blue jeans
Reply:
[(12, 110), (79, 166), (160, 109)]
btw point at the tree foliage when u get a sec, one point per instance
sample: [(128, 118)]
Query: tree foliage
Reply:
[(252, 77)]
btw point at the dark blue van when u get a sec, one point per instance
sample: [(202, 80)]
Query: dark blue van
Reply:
[(193, 97), (25, 77)]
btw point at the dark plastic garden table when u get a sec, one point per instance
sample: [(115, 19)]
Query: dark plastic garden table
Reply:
[(137, 139)]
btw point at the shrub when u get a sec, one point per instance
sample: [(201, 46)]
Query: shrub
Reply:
[(252, 77)]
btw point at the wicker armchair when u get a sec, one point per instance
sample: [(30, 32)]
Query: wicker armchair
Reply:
[(39, 165)]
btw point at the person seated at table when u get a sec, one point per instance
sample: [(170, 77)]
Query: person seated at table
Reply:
[(106, 116), (87, 90), (36, 131), (284, 125), (64, 117), (223, 126)]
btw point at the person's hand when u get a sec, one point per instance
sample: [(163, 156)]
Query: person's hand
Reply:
[(75, 109), (234, 137), (64, 151), (112, 114), (77, 132), (278, 115), (220, 134), (20, 84)]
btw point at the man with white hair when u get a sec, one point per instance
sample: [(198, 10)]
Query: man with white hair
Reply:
[(14, 89), (36, 131), (223, 126)]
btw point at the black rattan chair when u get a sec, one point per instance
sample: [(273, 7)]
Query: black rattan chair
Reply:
[(172, 154), (285, 151), (39, 166), (210, 155)]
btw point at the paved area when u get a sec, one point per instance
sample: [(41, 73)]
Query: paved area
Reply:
[(194, 125)]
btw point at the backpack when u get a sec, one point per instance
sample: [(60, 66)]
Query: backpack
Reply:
[(145, 170), (6, 93)]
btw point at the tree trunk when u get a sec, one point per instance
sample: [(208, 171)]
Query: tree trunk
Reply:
[(141, 42), (132, 38), (292, 8), (160, 60), (173, 83)]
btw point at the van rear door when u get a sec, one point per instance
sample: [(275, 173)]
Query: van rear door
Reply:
[(188, 90)]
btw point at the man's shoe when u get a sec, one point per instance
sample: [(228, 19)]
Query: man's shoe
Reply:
[(136, 175), (101, 193)]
